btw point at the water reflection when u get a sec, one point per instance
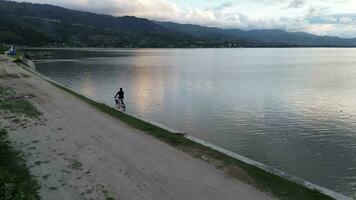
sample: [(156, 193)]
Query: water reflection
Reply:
[(145, 86), (293, 109), (88, 86)]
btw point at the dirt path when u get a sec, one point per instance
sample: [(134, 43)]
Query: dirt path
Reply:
[(78, 152)]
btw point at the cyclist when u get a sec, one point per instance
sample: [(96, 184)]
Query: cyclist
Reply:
[(120, 94)]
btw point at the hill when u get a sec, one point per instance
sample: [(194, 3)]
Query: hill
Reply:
[(46, 25), (274, 37)]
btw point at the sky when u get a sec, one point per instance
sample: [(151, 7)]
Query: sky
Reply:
[(322, 17)]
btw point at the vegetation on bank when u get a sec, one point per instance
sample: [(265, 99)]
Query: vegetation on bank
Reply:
[(3, 49), (16, 105), (16, 182), (276, 185)]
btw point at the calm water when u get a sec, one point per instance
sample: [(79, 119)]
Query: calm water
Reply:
[(293, 109)]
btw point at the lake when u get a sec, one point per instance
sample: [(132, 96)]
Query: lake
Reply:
[(293, 109)]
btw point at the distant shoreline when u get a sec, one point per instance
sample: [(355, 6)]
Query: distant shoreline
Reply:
[(132, 48)]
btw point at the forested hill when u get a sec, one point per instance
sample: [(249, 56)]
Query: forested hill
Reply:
[(298, 39), (43, 25), (47, 25)]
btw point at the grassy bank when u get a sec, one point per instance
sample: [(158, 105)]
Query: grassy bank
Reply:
[(278, 186), (3, 49), (16, 182), (17, 105)]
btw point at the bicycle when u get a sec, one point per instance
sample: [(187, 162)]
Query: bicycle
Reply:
[(120, 104)]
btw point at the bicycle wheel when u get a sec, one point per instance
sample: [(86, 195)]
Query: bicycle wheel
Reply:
[(123, 108), (117, 105)]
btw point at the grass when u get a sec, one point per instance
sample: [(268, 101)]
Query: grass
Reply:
[(20, 106), (3, 49), (76, 165), (108, 195), (8, 102), (265, 181), (16, 182)]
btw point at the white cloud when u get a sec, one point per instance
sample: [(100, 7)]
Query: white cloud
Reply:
[(316, 16), (345, 20), (296, 4)]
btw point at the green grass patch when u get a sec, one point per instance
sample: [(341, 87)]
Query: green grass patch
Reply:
[(3, 49), (108, 195), (265, 181), (16, 182), (20, 107), (75, 164), (8, 102)]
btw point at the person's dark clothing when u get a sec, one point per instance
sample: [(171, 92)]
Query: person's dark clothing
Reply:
[(120, 94)]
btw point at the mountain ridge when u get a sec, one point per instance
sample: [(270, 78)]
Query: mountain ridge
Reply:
[(47, 25), (264, 35)]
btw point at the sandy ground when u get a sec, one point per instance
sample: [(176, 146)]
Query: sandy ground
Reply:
[(78, 152)]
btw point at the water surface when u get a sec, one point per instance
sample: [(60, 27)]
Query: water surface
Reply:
[(293, 109)]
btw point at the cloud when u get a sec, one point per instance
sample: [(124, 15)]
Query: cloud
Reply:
[(345, 20), (152, 8), (334, 19), (315, 16), (296, 4)]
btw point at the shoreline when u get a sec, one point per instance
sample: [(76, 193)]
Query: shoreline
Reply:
[(127, 48), (240, 158)]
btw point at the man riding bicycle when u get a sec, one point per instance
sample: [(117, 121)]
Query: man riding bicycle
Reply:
[(120, 96)]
